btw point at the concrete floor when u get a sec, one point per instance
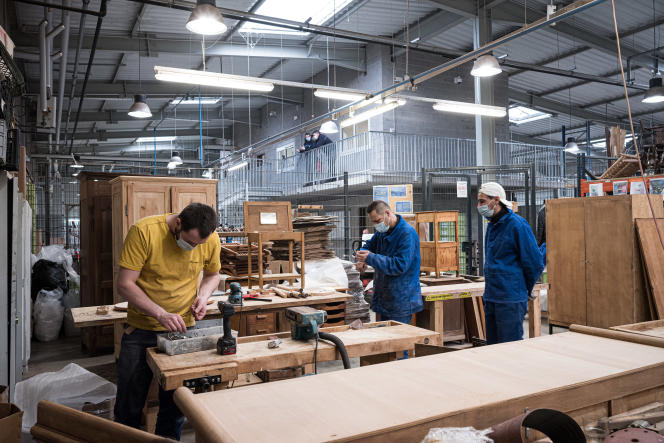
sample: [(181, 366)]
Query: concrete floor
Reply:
[(53, 356)]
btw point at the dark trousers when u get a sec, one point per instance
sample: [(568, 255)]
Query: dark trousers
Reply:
[(403, 319), (134, 378), (504, 321)]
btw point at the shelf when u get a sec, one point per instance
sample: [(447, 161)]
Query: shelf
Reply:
[(276, 276)]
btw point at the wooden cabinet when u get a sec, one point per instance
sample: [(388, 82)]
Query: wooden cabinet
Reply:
[(439, 253), (134, 198), (96, 252), (593, 260)]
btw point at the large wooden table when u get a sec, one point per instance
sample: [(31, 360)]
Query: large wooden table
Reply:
[(653, 328), (581, 374), (253, 355), (87, 316)]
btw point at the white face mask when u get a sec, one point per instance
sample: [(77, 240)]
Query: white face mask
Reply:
[(183, 244), (382, 226), (485, 211)]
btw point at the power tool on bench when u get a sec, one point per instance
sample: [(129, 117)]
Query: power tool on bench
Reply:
[(305, 321), (227, 344), (235, 294)]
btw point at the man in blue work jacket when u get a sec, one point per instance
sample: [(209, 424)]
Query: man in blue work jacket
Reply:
[(512, 264), (394, 253)]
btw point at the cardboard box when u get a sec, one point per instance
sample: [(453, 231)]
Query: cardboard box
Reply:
[(11, 419)]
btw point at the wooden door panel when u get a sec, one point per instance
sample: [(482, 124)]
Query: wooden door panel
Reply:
[(181, 196), (145, 200)]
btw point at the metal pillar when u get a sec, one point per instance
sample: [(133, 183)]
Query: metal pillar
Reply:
[(346, 219), (484, 126)]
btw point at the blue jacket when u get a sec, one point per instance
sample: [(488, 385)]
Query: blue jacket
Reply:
[(322, 141), (395, 258), (308, 145), (513, 261)]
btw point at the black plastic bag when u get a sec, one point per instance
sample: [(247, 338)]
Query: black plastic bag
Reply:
[(48, 275)]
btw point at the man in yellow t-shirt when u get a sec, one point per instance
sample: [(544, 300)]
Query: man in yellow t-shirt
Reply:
[(161, 261)]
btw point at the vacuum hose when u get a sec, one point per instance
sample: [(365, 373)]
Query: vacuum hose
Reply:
[(339, 344)]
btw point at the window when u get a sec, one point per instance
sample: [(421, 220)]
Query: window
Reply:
[(285, 157), (319, 11), (521, 114)]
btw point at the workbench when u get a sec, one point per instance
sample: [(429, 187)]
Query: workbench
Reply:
[(375, 339), (653, 328), (256, 316), (583, 375), (436, 297)]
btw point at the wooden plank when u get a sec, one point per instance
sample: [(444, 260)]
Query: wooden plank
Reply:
[(566, 256), (534, 318), (566, 371), (653, 257), (653, 328), (253, 355)]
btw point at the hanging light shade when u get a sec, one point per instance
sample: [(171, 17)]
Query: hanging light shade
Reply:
[(486, 66), (140, 108), (175, 158), (571, 146), (206, 19), (655, 93), (329, 127)]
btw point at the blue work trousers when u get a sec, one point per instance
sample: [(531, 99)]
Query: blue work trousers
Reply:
[(404, 320), (504, 321), (134, 378)]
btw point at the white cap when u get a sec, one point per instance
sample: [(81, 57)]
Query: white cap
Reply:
[(493, 189)]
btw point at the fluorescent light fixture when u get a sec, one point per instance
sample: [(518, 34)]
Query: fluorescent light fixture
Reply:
[(339, 95), (76, 164), (571, 146), (486, 66), (316, 12), (366, 115), (329, 127), (140, 108), (521, 114), (601, 142), (206, 19), (161, 138), (202, 78), (655, 93), (469, 108), (238, 166), (194, 101), (416, 39)]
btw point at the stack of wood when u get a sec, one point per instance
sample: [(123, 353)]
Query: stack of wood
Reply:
[(235, 258), (317, 242)]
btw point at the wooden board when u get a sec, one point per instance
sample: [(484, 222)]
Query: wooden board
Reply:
[(87, 316), (653, 328), (401, 400), (253, 354), (253, 211), (653, 258)]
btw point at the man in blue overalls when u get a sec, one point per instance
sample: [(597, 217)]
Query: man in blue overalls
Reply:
[(512, 264), (394, 253)]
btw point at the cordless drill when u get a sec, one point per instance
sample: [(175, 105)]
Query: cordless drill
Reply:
[(226, 345)]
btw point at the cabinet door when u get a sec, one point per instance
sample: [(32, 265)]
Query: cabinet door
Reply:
[(182, 195), (146, 199), (566, 257)]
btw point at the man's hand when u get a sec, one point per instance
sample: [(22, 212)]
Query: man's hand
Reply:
[(199, 307), (361, 267), (172, 322), (362, 256)]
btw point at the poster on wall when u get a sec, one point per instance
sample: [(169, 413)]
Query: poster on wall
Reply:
[(620, 187), (596, 189), (637, 187), (656, 186), (399, 197), (462, 189)]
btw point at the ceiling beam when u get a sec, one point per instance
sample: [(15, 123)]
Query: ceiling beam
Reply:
[(582, 82), (554, 106), (349, 10), (111, 117), (553, 59), (431, 26), (102, 136)]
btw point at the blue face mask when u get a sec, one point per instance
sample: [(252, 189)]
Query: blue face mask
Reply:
[(308, 139), (485, 211)]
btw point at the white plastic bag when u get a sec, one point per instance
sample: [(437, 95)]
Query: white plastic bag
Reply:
[(48, 314), (458, 435), (71, 386), (58, 254), (325, 273)]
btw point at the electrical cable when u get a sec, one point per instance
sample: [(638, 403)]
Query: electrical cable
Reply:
[(631, 124), (316, 356)]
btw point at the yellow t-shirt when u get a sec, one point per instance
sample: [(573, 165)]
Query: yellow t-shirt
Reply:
[(168, 274)]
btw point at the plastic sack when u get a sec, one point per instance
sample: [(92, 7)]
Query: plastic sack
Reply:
[(71, 386), (48, 275), (325, 273), (458, 435), (48, 313), (58, 254), (72, 299)]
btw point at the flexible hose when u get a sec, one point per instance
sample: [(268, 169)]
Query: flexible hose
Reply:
[(339, 344)]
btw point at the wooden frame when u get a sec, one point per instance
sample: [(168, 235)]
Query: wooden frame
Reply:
[(281, 210), (263, 237), (438, 256)]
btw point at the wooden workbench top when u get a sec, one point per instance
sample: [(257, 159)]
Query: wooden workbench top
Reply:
[(87, 316), (254, 355), (653, 328), (401, 400)]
